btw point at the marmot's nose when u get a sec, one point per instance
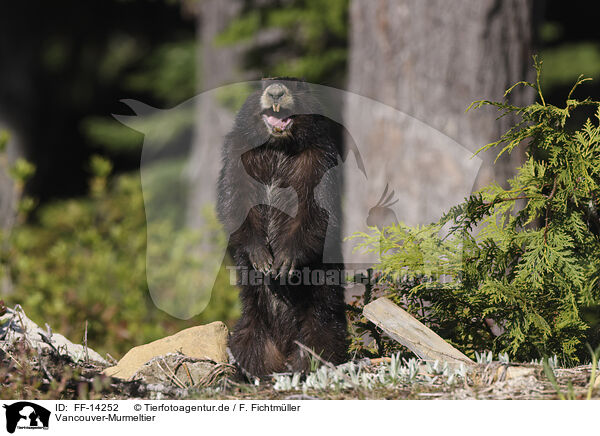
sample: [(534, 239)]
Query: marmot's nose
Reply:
[(275, 91)]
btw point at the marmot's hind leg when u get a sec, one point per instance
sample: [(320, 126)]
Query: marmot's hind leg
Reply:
[(323, 330), (254, 343)]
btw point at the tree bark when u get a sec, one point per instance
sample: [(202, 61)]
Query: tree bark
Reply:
[(218, 66), (9, 197), (8, 194), (18, 91), (430, 60)]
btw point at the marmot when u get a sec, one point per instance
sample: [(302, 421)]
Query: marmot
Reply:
[(280, 141)]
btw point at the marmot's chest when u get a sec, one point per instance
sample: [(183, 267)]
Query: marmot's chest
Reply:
[(301, 171)]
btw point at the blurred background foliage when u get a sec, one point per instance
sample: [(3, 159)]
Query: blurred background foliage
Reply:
[(77, 249), (83, 259), (299, 38)]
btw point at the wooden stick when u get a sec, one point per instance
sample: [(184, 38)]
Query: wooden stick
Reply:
[(415, 336)]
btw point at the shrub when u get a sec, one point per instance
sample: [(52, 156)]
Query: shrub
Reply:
[(84, 260), (526, 258)]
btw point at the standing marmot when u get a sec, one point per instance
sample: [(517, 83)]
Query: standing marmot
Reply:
[(278, 151)]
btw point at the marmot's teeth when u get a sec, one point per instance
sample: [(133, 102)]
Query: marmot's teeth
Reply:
[(276, 107)]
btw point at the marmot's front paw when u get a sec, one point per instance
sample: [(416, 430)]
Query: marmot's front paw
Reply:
[(283, 265), (261, 259)]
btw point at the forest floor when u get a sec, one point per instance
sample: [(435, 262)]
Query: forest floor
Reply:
[(30, 374)]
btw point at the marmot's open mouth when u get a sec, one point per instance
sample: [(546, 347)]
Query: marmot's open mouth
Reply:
[(275, 124)]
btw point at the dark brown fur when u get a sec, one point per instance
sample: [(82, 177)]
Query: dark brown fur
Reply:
[(276, 315)]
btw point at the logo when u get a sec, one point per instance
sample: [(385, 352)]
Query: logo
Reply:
[(392, 169), (26, 415)]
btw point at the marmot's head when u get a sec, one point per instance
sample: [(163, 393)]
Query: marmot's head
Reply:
[(283, 101)]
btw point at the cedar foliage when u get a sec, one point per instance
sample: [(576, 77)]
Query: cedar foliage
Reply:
[(527, 257)]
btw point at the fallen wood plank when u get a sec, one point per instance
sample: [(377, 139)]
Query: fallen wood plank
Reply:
[(415, 336)]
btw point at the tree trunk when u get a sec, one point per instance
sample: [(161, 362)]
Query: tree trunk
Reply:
[(8, 194), (17, 117), (430, 60), (218, 66)]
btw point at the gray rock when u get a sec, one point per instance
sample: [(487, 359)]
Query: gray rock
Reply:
[(15, 326)]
